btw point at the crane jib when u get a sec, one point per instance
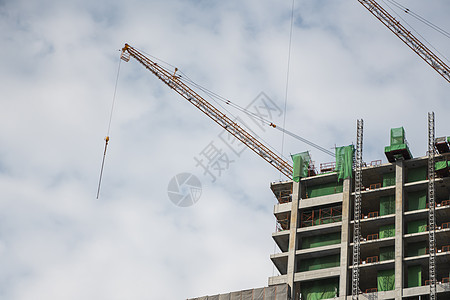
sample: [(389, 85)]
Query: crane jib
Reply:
[(207, 108)]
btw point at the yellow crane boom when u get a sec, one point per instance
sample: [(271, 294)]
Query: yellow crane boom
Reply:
[(175, 83), (407, 37)]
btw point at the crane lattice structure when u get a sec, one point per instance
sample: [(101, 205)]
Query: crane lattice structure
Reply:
[(431, 206), (357, 210), (407, 37), (175, 83)]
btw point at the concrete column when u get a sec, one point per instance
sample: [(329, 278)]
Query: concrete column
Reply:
[(291, 266), (399, 205), (345, 237)]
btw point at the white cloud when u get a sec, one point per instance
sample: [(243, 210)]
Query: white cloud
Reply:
[(59, 62)]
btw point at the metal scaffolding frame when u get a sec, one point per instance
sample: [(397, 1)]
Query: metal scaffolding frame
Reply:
[(357, 210), (431, 206)]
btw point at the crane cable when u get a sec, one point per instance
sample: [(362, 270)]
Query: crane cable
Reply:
[(263, 120), (407, 11), (287, 76), (109, 129), (420, 18), (214, 96)]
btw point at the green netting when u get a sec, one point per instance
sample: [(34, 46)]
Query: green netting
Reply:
[(387, 253), (386, 280), (391, 148), (417, 174), (321, 240), (318, 263), (416, 249), (320, 289), (387, 205), (301, 164), (389, 179), (397, 136), (395, 147), (440, 165), (417, 226), (414, 276), (417, 200), (344, 161), (387, 231), (448, 139), (324, 189)]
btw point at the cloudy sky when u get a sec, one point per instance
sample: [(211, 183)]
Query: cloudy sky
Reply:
[(59, 62)]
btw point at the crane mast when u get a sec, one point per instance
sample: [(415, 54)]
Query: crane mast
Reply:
[(175, 83), (407, 37)]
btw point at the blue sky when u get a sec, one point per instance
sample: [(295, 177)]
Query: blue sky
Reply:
[(59, 61)]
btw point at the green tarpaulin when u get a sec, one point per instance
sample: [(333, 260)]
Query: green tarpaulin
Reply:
[(417, 200), (397, 136), (387, 205), (318, 263), (389, 179), (391, 148), (320, 289), (301, 165), (324, 189), (344, 161), (386, 280), (414, 276), (440, 165), (386, 231), (417, 174), (321, 240), (416, 249), (387, 253), (417, 226), (395, 147)]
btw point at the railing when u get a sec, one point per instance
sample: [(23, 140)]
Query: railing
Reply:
[(375, 163), (371, 259), (372, 237), (327, 167), (375, 186), (321, 216), (372, 214)]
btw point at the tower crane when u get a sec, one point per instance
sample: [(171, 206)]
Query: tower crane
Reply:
[(174, 82), (437, 64), (407, 37)]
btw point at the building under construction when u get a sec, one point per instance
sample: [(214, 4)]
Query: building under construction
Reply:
[(350, 230), (366, 235)]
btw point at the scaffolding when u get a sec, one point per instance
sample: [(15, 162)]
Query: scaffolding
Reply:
[(357, 211), (327, 167), (283, 222), (431, 207), (284, 196), (321, 216)]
